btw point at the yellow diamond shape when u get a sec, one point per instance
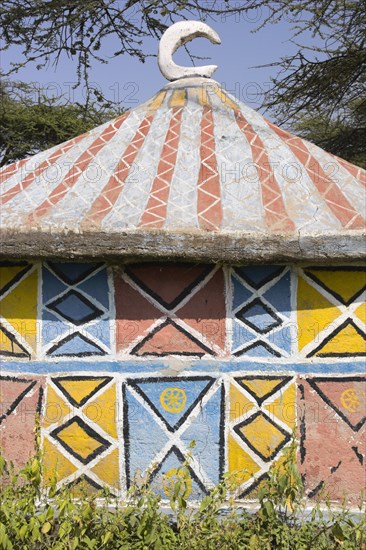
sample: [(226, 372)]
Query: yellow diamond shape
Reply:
[(262, 435), (80, 440)]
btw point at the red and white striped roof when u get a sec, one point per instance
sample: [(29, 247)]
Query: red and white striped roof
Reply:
[(192, 160)]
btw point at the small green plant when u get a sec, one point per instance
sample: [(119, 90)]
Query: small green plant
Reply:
[(35, 518)]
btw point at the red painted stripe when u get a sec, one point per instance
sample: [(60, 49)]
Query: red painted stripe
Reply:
[(8, 195), (104, 203), (275, 213), (358, 173), (76, 170), (209, 192), (9, 170), (328, 189), (156, 209)]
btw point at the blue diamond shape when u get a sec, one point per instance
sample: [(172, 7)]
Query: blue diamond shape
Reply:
[(259, 317), (74, 307)]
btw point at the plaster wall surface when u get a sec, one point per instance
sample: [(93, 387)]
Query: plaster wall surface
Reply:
[(128, 364)]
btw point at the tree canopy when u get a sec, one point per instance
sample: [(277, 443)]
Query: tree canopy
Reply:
[(321, 85), (31, 122)]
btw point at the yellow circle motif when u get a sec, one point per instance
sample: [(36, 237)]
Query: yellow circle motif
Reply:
[(350, 400), (172, 477), (173, 400)]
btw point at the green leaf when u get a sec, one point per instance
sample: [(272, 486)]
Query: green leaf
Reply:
[(106, 537), (337, 533), (268, 507), (254, 542), (205, 503), (46, 528), (23, 532)]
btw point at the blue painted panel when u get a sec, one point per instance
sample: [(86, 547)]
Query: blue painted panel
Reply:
[(173, 394), (101, 331), (75, 308), (145, 436), (72, 272), (206, 430), (260, 349), (241, 335), (202, 367), (51, 286), (279, 295), (257, 275), (75, 344), (97, 286), (240, 293), (164, 485), (282, 338), (52, 327), (259, 317)]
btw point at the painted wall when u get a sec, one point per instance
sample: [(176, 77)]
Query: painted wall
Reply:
[(129, 364)]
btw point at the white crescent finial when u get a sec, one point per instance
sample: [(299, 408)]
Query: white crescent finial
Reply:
[(177, 35)]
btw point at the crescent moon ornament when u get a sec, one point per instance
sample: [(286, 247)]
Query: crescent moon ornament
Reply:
[(177, 35)]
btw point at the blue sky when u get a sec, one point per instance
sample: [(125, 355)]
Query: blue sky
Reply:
[(126, 79)]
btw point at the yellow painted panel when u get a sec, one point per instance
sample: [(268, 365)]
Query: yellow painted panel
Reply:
[(347, 340), (78, 440), (7, 274), (103, 411), (7, 345), (261, 387), (263, 435), (202, 97), (107, 469), (56, 408), (156, 101), (284, 406), (281, 465), (241, 465), (361, 312), (253, 494), (178, 98), (55, 464), (239, 404), (82, 487), (19, 308), (343, 283), (226, 100), (78, 390), (314, 313)]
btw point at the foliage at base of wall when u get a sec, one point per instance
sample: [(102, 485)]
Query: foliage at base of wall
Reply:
[(32, 518)]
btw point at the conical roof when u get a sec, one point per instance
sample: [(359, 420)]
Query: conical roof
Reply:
[(192, 173)]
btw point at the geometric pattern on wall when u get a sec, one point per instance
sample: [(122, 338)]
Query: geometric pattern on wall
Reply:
[(261, 418), (261, 311), (18, 310), (331, 312), (80, 432), (76, 310), (332, 433), (162, 417), (167, 309), (20, 401)]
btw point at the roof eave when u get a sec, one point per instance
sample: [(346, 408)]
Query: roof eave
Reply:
[(244, 247)]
